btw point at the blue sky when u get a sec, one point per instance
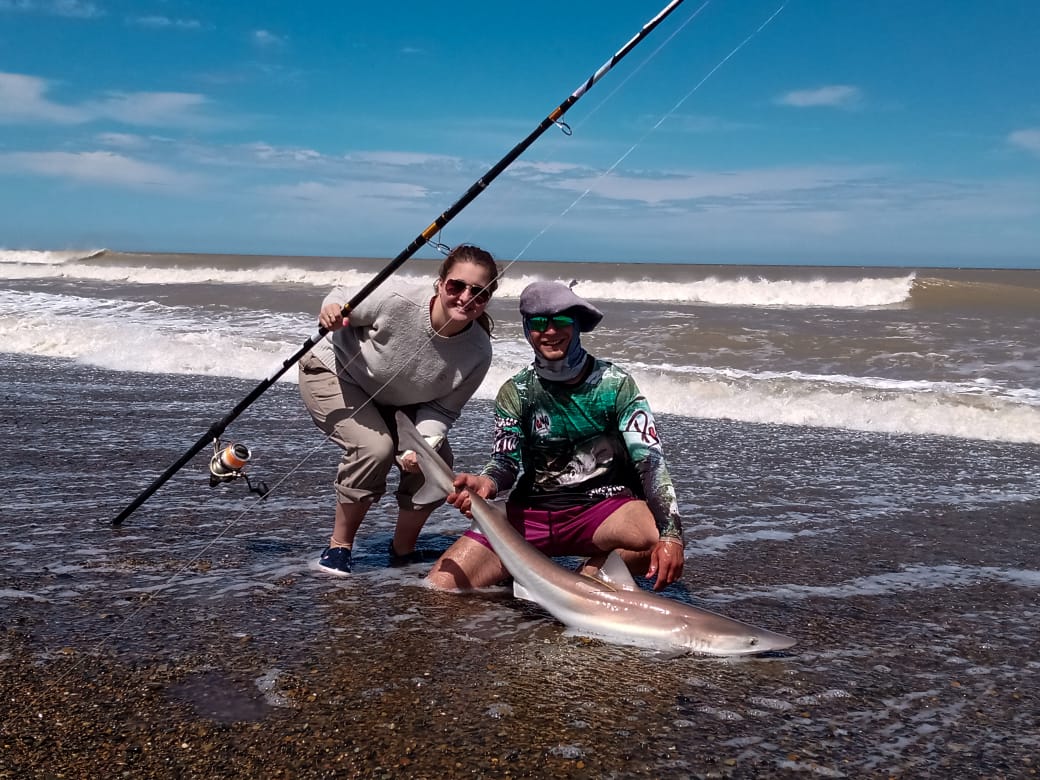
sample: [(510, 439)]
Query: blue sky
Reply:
[(878, 132)]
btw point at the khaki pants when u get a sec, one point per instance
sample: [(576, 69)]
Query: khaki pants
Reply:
[(364, 431)]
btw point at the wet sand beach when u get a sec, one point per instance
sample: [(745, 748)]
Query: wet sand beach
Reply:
[(198, 640)]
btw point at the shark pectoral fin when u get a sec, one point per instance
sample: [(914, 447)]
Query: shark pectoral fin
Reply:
[(520, 592), (671, 655), (615, 573), (439, 478), (428, 494)]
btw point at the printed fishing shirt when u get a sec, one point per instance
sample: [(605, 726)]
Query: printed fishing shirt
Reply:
[(578, 444)]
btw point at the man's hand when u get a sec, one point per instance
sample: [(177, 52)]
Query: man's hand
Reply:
[(465, 484), (666, 562)]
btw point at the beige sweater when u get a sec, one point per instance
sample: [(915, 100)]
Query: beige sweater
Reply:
[(392, 353)]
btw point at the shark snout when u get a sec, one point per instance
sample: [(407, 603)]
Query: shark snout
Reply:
[(757, 640)]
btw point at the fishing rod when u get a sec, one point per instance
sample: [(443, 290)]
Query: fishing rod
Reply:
[(212, 435)]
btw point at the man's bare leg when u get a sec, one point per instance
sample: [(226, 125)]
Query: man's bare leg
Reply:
[(631, 531), (466, 565)]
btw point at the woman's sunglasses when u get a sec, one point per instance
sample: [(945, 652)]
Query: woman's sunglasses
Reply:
[(457, 287), (541, 323)]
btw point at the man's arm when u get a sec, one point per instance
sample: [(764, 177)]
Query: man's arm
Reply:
[(502, 468), (639, 431)]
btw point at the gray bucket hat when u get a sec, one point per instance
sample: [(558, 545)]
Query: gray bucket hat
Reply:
[(556, 298)]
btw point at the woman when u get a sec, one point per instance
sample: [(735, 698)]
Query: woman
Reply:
[(399, 349), (594, 476)]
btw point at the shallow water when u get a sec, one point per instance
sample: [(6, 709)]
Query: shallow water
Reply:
[(904, 565)]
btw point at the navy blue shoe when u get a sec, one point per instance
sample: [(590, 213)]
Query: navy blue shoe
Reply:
[(415, 556), (335, 560)]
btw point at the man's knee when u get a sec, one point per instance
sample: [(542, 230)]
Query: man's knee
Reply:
[(466, 565), (631, 527)]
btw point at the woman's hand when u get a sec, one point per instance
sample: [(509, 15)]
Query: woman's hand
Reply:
[(331, 317), (409, 462)]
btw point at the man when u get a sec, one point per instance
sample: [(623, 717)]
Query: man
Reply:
[(594, 476)]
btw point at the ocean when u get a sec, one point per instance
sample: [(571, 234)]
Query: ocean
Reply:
[(855, 452), (941, 352)]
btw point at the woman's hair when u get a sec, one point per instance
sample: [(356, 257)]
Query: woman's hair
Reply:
[(468, 253)]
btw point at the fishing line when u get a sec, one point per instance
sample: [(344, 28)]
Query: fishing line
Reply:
[(509, 264), (254, 503), (418, 242), (502, 271), (216, 429), (558, 218), (606, 99), (149, 599), (568, 130)]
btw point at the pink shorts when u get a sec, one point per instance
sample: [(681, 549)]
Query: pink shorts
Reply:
[(563, 532)]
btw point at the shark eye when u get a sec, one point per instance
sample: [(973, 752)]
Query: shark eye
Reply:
[(753, 641)]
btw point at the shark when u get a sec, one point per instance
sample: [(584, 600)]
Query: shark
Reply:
[(610, 606)]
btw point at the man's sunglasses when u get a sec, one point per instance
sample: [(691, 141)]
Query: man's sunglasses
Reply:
[(457, 287), (540, 323)]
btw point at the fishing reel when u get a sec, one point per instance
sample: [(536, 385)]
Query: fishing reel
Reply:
[(227, 465)]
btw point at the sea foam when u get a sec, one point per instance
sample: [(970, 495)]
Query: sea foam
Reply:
[(865, 292), (249, 344)]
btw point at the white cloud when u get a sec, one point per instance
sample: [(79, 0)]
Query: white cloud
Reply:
[(402, 158), (834, 96), (122, 140), (340, 194), (162, 22), (710, 185), (267, 152), (97, 168), (76, 9), (1028, 139), (543, 168), (266, 38), (150, 108), (22, 99), (345, 206)]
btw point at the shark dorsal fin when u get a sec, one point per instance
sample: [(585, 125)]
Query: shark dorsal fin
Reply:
[(616, 574)]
